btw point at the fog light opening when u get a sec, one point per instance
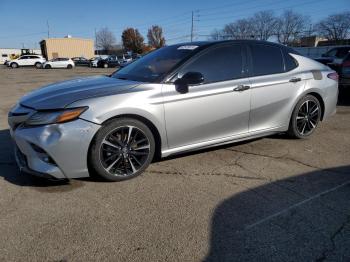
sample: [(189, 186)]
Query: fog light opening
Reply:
[(43, 155)]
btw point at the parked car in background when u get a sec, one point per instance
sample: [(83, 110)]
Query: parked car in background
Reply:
[(81, 61), (60, 62), (111, 61), (344, 72), (176, 99), (27, 60), (334, 57), (94, 61)]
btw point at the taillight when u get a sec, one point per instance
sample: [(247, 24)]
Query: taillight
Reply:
[(334, 76), (346, 64)]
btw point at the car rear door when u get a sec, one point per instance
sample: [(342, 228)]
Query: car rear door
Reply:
[(275, 85), (216, 109), (32, 60)]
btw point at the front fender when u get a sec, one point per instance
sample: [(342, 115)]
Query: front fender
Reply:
[(145, 102)]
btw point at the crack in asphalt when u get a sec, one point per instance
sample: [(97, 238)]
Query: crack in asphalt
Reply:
[(326, 252), (204, 174), (284, 157)]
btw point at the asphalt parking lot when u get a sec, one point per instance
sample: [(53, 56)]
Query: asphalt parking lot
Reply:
[(270, 199)]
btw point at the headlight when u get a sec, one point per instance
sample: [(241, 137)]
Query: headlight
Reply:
[(55, 117)]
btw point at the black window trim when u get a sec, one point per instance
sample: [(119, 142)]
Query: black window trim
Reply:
[(172, 75)]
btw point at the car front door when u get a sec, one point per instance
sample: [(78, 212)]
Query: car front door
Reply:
[(216, 109), (275, 85), (24, 60)]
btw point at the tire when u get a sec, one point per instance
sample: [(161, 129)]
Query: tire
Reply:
[(38, 65), (14, 65), (116, 154), (47, 67), (305, 118), (105, 65), (69, 66)]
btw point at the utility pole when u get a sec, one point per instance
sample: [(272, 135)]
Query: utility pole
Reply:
[(192, 28), (48, 29), (95, 39)]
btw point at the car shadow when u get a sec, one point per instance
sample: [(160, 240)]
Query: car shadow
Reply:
[(301, 218)]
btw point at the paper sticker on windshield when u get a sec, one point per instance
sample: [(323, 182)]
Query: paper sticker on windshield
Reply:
[(187, 47)]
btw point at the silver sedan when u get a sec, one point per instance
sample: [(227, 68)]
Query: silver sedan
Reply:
[(178, 98)]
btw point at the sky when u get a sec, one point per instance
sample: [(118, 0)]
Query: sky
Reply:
[(26, 22)]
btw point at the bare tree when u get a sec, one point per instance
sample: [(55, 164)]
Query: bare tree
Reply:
[(105, 39), (264, 24), (240, 29), (155, 36), (133, 40), (291, 26), (216, 35), (335, 27)]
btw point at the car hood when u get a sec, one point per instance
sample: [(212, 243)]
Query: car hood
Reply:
[(61, 94)]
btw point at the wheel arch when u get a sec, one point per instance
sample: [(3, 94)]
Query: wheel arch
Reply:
[(320, 99), (149, 124)]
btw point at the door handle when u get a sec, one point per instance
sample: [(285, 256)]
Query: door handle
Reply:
[(241, 88), (295, 79)]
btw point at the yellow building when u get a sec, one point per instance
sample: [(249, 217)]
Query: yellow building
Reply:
[(67, 47)]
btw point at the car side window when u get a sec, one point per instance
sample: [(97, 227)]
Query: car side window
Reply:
[(342, 52), (289, 62), (266, 60), (331, 53), (218, 64)]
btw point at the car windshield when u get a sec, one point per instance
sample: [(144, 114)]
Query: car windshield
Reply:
[(155, 65)]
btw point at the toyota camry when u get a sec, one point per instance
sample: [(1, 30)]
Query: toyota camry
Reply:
[(178, 98)]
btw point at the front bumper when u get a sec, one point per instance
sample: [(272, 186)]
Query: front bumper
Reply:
[(66, 144)]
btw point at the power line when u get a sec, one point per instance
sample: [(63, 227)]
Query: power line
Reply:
[(281, 8)]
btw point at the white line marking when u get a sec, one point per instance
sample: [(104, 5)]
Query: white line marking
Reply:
[(296, 205)]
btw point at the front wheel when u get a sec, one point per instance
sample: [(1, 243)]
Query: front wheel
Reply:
[(105, 65), (69, 66), (305, 118), (122, 149), (38, 65), (14, 65)]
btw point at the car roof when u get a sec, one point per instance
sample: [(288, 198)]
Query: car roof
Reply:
[(204, 44), (243, 41)]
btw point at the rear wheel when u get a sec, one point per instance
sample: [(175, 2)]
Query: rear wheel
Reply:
[(305, 118), (69, 66), (122, 149), (105, 65), (14, 65)]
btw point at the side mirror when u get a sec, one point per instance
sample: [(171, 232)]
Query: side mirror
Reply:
[(190, 78)]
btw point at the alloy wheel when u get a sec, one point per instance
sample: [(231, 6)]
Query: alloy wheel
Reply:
[(308, 117), (124, 151)]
